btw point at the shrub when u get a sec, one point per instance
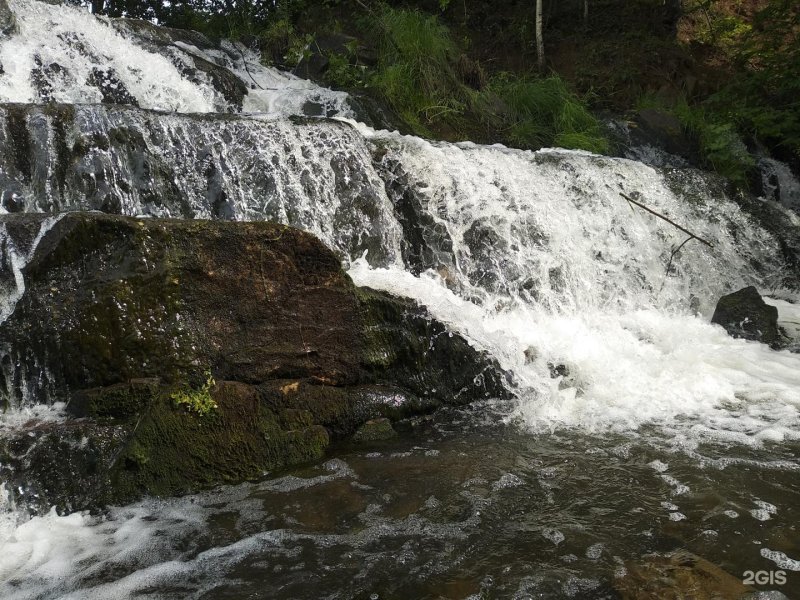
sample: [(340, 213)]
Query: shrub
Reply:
[(415, 72)]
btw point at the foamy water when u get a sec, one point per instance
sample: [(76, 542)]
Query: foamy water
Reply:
[(60, 49), (534, 257)]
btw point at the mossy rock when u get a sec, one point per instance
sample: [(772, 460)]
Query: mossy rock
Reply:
[(206, 353), (375, 430)]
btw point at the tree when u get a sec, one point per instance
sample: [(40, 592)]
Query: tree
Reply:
[(539, 38)]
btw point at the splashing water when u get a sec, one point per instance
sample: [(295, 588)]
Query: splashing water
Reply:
[(62, 53), (534, 257), (548, 268)]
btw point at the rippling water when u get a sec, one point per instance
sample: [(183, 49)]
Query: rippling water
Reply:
[(463, 504)]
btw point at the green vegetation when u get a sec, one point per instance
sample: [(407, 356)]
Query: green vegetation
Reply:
[(763, 100), (423, 76), (537, 112), (199, 401), (415, 73), (718, 140)]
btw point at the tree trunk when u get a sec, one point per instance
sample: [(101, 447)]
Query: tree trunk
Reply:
[(585, 12), (539, 38)]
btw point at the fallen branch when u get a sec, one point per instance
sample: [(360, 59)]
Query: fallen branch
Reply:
[(676, 250), (673, 223)]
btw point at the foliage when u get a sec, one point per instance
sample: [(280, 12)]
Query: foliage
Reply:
[(418, 76), (761, 103), (199, 401), (718, 140), (415, 73), (538, 112)]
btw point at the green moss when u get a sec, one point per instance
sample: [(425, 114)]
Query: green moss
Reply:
[(199, 401), (375, 430), (172, 452), (123, 401)]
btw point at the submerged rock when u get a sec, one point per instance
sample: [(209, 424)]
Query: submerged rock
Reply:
[(744, 314), (193, 353), (678, 575), (375, 430)]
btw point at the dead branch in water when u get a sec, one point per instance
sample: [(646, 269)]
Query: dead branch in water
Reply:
[(676, 250), (673, 223)]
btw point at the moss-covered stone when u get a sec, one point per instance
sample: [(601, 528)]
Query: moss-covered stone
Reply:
[(122, 401), (216, 351), (175, 451), (375, 430)]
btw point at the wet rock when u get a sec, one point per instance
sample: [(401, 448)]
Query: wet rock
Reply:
[(8, 22), (673, 576), (46, 78), (120, 159), (112, 89), (167, 40), (375, 430), (214, 351), (558, 370), (426, 243), (651, 127), (744, 314)]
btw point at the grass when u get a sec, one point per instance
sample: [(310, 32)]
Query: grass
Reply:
[(538, 112), (415, 72), (418, 75)]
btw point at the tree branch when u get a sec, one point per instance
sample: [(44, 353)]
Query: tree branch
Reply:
[(673, 223)]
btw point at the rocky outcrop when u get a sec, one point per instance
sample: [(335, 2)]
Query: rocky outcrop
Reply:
[(193, 353), (744, 314), (167, 40), (312, 174)]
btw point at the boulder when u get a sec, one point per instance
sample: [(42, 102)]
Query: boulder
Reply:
[(744, 314), (194, 353)]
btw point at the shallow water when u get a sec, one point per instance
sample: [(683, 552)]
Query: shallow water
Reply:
[(464, 503)]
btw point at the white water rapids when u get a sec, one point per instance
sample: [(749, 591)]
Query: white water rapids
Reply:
[(532, 256)]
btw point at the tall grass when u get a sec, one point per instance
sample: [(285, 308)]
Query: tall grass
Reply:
[(418, 75), (415, 71), (536, 112)]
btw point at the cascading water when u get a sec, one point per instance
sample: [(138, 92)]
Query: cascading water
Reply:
[(533, 256)]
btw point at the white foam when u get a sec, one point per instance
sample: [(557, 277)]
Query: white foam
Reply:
[(79, 42), (73, 38), (645, 366), (553, 535), (780, 559)]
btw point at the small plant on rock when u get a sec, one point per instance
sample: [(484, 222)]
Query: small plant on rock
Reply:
[(199, 401)]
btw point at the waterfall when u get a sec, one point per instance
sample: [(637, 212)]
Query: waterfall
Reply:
[(597, 309), (534, 256), (779, 183)]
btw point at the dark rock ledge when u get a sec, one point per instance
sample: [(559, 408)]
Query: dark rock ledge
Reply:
[(196, 353)]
